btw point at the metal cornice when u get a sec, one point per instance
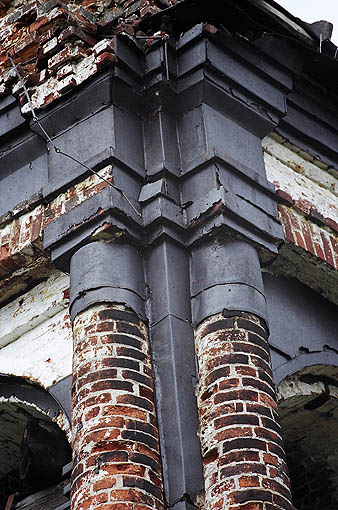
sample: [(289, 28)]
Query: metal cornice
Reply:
[(286, 20), (195, 179)]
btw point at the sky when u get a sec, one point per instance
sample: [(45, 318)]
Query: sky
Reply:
[(314, 10)]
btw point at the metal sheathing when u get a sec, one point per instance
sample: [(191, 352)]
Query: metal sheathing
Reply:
[(173, 355), (226, 276), (106, 272)]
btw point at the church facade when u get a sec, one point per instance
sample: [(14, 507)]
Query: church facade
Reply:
[(168, 257)]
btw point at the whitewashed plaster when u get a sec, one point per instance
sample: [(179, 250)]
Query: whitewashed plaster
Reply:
[(300, 178), (33, 308), (36, 333), (301, 163)]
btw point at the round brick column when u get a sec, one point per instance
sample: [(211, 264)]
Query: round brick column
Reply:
[(116, 461), (242, 447)]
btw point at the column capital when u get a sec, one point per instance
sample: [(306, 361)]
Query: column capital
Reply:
[(102, 272), (226, 277)]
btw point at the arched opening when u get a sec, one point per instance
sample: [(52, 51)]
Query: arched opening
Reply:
[(33, 447), (308, 406)]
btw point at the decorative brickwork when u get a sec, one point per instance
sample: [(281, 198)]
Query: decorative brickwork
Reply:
[(242, 447), (115, 447), (309, 236)]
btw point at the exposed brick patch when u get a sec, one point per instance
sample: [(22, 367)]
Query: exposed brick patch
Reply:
[(44, 38), (115, 446), (309, 236), (21, 239), (239, 427), (307, 191), (301, 184)]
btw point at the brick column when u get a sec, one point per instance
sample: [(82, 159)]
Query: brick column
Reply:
[(243, 454), (116, 459), (242, 448)]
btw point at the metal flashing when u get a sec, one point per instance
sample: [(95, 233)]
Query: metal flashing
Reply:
[(23, 170), (172, 344), (18, 388), (161, 208), (106, 272), (226, 275), (302, 361), (236, 206), (172, 347), (314, 319), (75, 108), (62, 393), (219, 263), (152, 190), (311, 125), (10, 118), (168, 279), (229, 297), (102, 143), (86, 213)]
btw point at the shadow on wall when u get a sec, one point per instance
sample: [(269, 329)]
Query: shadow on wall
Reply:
[(308, 406), (33, 448)]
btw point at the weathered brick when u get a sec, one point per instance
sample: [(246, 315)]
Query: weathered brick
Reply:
[(252, 326), (135, 376), (130, 353), (241, 419), (232, 410), (115, 407)]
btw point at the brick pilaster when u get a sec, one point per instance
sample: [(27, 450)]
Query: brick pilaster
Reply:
[(242, 448), (116, 461)]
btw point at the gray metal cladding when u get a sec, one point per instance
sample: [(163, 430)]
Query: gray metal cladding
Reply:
[(226, 275), (106, 272)]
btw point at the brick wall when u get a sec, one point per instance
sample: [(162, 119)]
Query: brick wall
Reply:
[(242, 448), (22, 258), (308, 192), (56, 43), (115, 447), (308, 235)]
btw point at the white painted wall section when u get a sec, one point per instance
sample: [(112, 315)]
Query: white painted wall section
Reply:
[(33, 308), (301, 179), (36, 333)]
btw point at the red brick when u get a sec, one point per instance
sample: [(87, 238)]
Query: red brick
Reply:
[(285, 220), (307, 235), (241, 437), (119, 432), (249, 481), (299, 240), (334, 245), (319, 251)]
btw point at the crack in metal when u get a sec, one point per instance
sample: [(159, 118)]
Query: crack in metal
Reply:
[(185, 498)]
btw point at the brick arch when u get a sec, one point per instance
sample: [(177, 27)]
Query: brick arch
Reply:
[(308, 408), (303, 361), (33, 441)]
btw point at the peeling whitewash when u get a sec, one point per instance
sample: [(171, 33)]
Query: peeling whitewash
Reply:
[(300, 178), (36, 335), (298, 162), (31, 309)]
